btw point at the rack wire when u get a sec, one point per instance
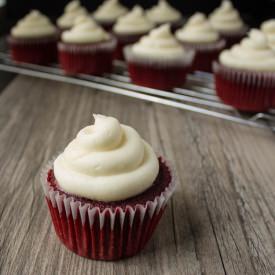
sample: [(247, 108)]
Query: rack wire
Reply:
[(197, 95)]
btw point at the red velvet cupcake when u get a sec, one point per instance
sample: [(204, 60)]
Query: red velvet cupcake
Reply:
[(34, 40), (107, 193), (87, 49), (198, 35), (245, 74), (158, 60)]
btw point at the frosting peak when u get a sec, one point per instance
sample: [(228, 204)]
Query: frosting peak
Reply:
[(197, 30), (253, 53), (134, 22), (106, 161), (268, 27), (163, 13), (34, 24)]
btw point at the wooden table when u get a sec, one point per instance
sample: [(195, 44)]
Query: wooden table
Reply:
[(221, 219)]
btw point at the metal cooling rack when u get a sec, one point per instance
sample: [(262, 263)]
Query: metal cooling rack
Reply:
[(197, 95)]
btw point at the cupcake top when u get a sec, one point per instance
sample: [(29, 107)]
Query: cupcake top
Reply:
[(226, 18), (163, 13), (253, 53), (107, 161), (85, 31), (33, 25), (159, 44), (110, 10), (71, 11), (134, 22), (268, 28), (197, 30)]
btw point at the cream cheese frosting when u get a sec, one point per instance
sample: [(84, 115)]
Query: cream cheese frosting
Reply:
[(134, 22), (253, 53), (34, 24), (159, 43), (197, 30), (226, 18), (85, 31), (107, 161), (163, 13), (268, 28), (110, 10), (71, 11)]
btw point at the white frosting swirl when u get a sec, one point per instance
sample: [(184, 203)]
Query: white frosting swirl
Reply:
[(268, 28), (226, 19), (106, 161), (110, 10), (197, 30), (253, 53), (85, 31), (33, 25), (163, 13), (159, 43), (134, 22), (71, 11)]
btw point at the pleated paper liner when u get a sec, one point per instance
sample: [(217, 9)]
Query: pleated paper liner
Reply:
[(92, 58), (158, 73), (105, 232), (248, 91)]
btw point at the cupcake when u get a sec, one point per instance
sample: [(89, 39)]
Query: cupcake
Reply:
[(197, 34), (158, 60), (164, 13), (107, 191), (34, 39), (71, 11), (129, 29), (86, 48), (245, 74), (227, 21), (107, 13), (268, 28)]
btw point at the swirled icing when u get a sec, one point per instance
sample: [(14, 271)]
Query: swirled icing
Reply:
[(110, 10), (226, 19), (268, 27), (159, 43), (163, 13), (253, 53), (197, 30), (71, 11), (134, 22), (32, 25), (107, 161)]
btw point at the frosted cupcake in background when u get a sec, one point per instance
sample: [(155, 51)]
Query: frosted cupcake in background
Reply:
[(268, 28), (86, 48), (227, 21), (107, 191), (108, 12), (197, 34), (129, 29), (34, 39), (164, 13), (158, 60), (245, 74), (71, 11)]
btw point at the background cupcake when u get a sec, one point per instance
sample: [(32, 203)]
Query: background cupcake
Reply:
[(107, 191), (129, 28), (198, 34), (245, 74), (33, 39), (268, 28), (71, 11), (107, 13), (86, 48), (164, 13), (158, 60), (227, 21)]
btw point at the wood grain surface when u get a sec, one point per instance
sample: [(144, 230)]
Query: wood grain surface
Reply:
[(221, 219)]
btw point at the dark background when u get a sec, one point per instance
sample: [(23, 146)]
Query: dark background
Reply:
[(253, 12)]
